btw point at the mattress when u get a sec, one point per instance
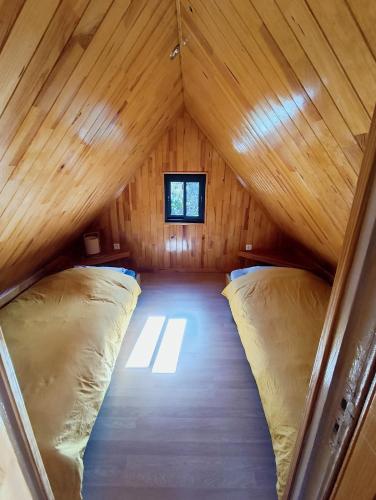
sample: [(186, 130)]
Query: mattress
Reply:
[(64, 335), (279, 313)]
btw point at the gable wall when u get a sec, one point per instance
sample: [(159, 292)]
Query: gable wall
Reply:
[(233, 218)]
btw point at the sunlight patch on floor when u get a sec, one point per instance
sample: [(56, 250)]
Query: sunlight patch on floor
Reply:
[(168, 354), (144, 348)]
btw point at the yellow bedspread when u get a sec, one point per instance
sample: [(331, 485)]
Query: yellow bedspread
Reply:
[(64, 335), (279, 313)]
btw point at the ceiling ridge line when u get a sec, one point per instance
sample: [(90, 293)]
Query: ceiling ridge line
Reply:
[(181, 44)]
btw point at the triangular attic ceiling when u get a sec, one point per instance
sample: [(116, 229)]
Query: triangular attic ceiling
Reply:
[(86, 90), (284, 89)]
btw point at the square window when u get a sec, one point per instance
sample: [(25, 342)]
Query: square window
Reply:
[(184, 197)]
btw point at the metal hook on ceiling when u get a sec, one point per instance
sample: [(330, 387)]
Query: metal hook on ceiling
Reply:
[(175, 51)]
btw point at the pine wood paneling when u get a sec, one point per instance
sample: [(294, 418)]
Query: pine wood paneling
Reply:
[(87, 88), (357, 477), (285, 90), (233, 218)]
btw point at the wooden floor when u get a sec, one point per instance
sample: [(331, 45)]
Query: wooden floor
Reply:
[(198, 433)]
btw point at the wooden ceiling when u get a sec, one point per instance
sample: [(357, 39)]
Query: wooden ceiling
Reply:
[(87, 88), (283, 88)]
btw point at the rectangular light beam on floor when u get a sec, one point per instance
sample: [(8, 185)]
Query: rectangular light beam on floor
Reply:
[(143, 350), (169, 350)]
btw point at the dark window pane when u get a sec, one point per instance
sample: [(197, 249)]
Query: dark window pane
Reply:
[(184, 197), (177, 198), (192, 199)]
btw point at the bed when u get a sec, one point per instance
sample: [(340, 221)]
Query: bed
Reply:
[(64, 335), (279, 313)]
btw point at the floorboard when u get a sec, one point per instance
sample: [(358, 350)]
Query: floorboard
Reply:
[(196, 434)]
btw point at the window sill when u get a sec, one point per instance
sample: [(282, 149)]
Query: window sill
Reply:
[(178, 223)]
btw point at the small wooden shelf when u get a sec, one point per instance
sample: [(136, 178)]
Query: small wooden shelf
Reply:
[(103, 258), (286, 258)]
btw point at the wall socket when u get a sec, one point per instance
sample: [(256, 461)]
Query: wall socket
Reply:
[(116, 246), (248, 247)]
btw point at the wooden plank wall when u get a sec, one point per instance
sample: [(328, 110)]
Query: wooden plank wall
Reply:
[(86, 90), (233, 217), (357, 477), (12, 480), (285, 90)]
